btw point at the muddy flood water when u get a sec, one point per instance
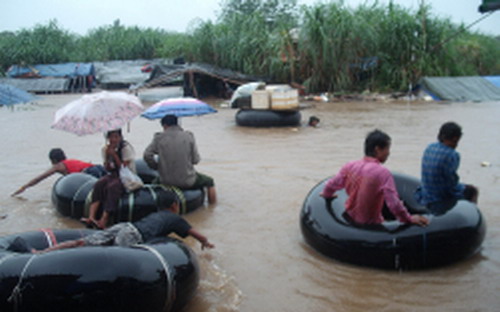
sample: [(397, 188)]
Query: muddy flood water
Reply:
[(261, 262)]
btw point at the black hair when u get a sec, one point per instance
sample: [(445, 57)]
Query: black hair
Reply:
[(165, 199), (110, 132), (374, 139), (313, 119), (56, 155), (449, 130), (169, 120)]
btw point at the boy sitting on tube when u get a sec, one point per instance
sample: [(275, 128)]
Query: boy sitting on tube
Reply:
[(370, 185)]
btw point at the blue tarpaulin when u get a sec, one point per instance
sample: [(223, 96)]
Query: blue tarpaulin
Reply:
[(10, 95), (69, 70), (462, 89), (494, 80)]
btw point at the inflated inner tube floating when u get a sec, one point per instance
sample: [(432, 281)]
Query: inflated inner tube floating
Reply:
[(148, 175), (267, 118), (190, 199), (160, 275), (71, 196), (455, 234)]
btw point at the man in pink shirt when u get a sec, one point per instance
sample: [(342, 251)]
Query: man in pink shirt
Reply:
[(370, 185)]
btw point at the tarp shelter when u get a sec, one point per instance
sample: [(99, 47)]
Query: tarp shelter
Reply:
[(494, 80), (122, 74), (81, 76), (10, 95), (39, 85), (198, 79), (461, 89)]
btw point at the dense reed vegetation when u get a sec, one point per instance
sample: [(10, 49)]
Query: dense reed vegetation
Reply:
[(326, 46)]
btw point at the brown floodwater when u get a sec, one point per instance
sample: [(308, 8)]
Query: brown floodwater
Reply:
[(261, 262)]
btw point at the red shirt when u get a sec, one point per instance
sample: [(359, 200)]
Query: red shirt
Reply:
[(73, 165), (369, 185)]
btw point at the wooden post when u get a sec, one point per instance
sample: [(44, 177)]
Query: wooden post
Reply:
[(193, 85)]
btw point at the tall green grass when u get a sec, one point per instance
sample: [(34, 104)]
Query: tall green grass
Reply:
[(117, 42), (42, 44)]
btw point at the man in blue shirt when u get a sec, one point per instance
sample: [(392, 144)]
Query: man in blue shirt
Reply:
[(440, 162)]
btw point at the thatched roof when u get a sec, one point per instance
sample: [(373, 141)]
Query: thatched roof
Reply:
[(163, 74)]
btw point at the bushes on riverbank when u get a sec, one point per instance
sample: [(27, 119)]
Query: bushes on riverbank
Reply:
[(326, 46)]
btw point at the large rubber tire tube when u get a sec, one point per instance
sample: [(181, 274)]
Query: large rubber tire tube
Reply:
[(267, 118), (71, 196), (451, 236), (161, 275)]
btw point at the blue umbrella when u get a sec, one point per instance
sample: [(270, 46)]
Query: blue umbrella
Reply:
[(180, 107), (10, 95)]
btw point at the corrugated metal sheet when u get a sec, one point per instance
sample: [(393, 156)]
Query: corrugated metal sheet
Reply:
[(494, 80), (120, 74), (461, 89), (52, 70), (39, 85)]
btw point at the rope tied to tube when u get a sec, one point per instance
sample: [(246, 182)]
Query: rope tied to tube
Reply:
[(170, 281), (16, 295)]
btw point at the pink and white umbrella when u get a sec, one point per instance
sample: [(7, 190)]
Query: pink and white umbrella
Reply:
[(98, 112)]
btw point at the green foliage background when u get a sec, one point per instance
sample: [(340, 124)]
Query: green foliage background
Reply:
[(321, 46)]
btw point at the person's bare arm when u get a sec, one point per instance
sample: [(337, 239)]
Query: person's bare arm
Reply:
[(63, 245), (59, 167), (112, 158), (419, 220), (201, 238)]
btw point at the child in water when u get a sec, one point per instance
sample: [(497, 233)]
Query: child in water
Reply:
[(156, 224), (64, 166)]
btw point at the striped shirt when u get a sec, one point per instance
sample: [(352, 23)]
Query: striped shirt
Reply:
[(440, 180)]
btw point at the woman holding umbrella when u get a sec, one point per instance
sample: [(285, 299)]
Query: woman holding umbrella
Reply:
[(107, 191)]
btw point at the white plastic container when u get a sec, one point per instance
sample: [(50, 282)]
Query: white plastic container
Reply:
[(261, 99), (283, 99)]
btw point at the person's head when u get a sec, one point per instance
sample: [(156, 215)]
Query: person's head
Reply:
[(168, 200), (114, 137), (169, 120), (56, 155), (449, 134), (378, 145), (313, 121)]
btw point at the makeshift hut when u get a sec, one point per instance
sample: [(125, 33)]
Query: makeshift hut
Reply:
[(462, 89), (74, 77), (123, 74), (198, 80), (39, 85)]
